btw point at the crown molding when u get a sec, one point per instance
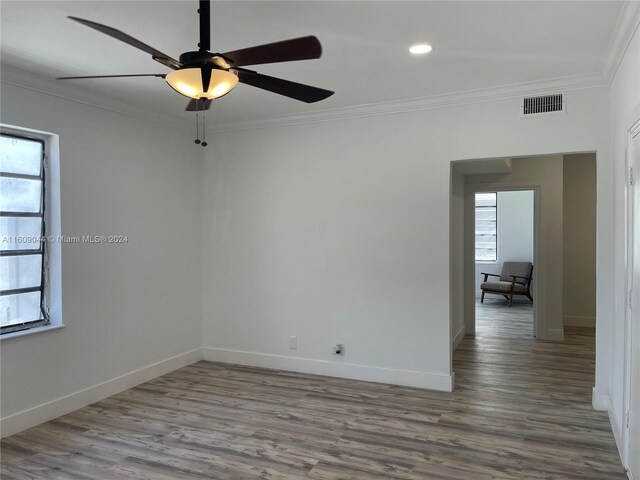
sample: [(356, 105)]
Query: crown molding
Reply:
[(421, 103), (626, 27), (24, 79), (18, 77)]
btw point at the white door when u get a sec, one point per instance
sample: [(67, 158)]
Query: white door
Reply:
[(633, 433)]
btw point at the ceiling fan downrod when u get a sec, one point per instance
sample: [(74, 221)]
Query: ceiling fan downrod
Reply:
[(205, 26)]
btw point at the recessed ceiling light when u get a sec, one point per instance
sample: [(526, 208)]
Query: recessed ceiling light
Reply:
[(420, 48)]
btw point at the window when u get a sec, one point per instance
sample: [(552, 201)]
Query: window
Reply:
[(22, 227), (486, 227)]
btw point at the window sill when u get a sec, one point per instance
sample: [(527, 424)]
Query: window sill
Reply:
[(31, 331), (487, 262)]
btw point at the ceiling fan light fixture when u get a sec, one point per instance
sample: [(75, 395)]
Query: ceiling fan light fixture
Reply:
[(188, 82)]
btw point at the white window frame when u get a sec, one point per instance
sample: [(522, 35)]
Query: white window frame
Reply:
[(476, 207), (52, 269)]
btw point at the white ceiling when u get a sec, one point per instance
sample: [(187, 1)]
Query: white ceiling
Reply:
[(365, 60)]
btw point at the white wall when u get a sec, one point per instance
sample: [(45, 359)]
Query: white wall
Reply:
[(514, 233), (339, 232), (625, 111), (579, 240), (125, 306)]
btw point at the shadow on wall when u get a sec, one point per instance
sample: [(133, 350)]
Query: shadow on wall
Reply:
[(579, 240)]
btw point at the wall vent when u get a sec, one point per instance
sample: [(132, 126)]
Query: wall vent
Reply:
[(542, 104)]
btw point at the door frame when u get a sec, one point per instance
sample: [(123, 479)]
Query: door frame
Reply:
[(469, 249), (631, 190)]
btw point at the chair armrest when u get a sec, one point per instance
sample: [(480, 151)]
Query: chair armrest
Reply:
[(519, 276), (487, 275)]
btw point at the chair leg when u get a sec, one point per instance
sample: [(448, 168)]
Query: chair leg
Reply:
[(482, 297), (511, 299), (529, 297)]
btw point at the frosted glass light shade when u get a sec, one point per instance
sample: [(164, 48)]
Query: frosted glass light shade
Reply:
[(188, 82)]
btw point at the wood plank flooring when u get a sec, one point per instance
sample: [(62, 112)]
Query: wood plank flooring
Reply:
[(521, 410), (494, 318)]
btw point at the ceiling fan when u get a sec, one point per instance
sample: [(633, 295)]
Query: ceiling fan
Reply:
[(204, 76)]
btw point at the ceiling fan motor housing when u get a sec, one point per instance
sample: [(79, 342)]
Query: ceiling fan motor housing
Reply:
[(203, 75), (200, 59)]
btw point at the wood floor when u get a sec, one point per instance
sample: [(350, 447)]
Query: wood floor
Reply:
[(521, 410), (495, 319)]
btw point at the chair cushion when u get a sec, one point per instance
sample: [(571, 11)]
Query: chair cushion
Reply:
[(502, 287), (522, 269)]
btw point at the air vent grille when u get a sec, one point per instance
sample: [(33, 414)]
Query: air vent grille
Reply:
[(543, 104)]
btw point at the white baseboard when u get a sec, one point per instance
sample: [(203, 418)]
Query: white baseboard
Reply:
[(617, 433), (409, 378), (61, 406), (578, 321), (457, 338), (600, 401), (555, 335), (31, 417)]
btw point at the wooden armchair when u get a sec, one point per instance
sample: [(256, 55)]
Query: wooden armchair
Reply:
[(515, 279)]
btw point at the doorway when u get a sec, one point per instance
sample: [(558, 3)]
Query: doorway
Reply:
[(564, 248), (504, 246)]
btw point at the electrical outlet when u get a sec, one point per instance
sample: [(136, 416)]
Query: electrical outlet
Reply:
[(338, 349), (293, 342)]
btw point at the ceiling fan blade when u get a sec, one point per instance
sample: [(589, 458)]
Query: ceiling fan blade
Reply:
[(205, 25), (298, 91), (161, 75), (157, 55), (304, 48), (198, 105)]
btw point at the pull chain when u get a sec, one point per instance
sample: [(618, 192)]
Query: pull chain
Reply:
[(200, 103), (197, 140), (204, 132)]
